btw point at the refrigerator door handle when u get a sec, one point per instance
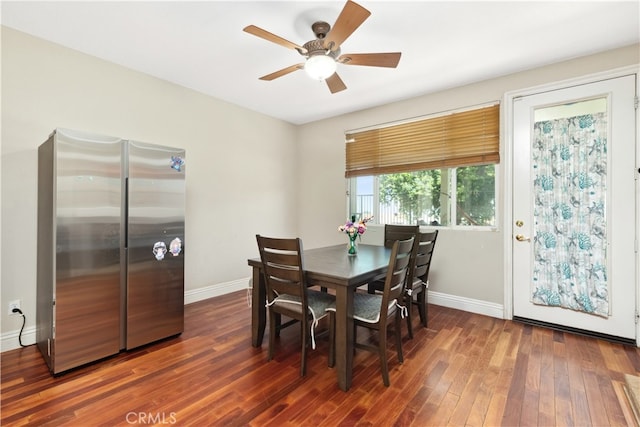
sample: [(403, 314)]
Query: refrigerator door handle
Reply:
[(126, 213)]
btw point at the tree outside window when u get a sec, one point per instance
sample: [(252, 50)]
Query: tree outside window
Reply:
[(475, 195), (427, 197)]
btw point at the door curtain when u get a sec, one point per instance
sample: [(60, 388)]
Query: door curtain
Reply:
[(569, 167)]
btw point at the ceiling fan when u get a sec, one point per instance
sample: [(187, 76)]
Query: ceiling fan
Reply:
[(323, 54)]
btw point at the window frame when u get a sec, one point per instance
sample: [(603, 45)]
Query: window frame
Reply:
[(351, 192)]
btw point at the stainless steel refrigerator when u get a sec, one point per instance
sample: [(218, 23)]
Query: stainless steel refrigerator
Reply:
[(110, 246)]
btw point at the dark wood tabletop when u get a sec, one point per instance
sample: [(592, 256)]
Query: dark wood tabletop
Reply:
[(332, 264)]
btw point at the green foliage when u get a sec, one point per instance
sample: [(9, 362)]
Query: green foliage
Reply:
[(418, 194), (415, 192), (476, 195)]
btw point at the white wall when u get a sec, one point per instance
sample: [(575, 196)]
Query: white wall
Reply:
[(233, 189)]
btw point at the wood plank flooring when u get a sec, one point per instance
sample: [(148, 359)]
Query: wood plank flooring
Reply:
[(465, 369)]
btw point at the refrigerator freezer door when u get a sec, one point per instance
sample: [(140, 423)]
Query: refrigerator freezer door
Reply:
[(87, 250), (155, 277)]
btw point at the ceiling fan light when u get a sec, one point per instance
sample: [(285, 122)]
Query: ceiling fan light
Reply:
[(319, 67)]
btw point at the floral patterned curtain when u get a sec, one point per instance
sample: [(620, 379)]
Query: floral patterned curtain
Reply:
[(569, 160)]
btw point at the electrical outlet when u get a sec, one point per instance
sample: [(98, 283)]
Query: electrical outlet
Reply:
[(12, 305)]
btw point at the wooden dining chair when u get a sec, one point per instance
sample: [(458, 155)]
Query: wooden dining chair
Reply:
[(377, 311), (418, 278), (392, 233), (288, 294)]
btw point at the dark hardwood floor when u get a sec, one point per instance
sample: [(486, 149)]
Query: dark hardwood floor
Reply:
[(465, 369)]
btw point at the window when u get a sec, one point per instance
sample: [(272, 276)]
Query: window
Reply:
[(439, 171), (428, 197)]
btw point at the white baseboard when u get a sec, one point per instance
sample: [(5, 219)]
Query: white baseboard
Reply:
[(215, 290), (467, 304), (9, 340)]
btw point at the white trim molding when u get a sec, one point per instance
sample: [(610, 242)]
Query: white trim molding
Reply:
[(216, 290), (486, 308), (9, 340)]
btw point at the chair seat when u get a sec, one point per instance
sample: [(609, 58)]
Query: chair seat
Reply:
[(366, 307), (318, 303)]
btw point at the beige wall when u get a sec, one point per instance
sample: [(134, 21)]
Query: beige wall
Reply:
[(233, 189), (467, 264)]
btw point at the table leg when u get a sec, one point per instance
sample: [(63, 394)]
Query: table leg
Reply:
[(258, 310), (344, 336)]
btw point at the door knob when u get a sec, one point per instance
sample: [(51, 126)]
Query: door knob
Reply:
[(521, 238)]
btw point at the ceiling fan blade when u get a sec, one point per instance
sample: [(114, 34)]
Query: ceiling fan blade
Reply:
[(389, 59), (348, 21), (282, 72), (264, 34), (335, 83)]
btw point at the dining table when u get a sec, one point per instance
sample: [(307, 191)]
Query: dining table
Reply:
[(330, 267)]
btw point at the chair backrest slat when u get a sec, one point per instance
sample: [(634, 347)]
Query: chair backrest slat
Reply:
[(398, 232), (282, 258), (283, 266), (427, 242), (394, 284)]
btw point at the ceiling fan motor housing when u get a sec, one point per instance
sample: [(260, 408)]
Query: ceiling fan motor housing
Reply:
[(316, 47), (320, 29)]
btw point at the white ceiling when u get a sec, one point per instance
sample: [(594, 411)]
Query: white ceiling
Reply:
[(201, 45)]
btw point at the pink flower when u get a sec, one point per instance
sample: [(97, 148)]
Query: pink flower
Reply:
[(355, 228)]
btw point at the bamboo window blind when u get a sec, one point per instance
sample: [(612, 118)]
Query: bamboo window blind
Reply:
[(458, 139)]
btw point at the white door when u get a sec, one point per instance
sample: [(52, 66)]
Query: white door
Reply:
[(574, 225)]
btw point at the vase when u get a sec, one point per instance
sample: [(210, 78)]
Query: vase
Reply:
[(352, 249)]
